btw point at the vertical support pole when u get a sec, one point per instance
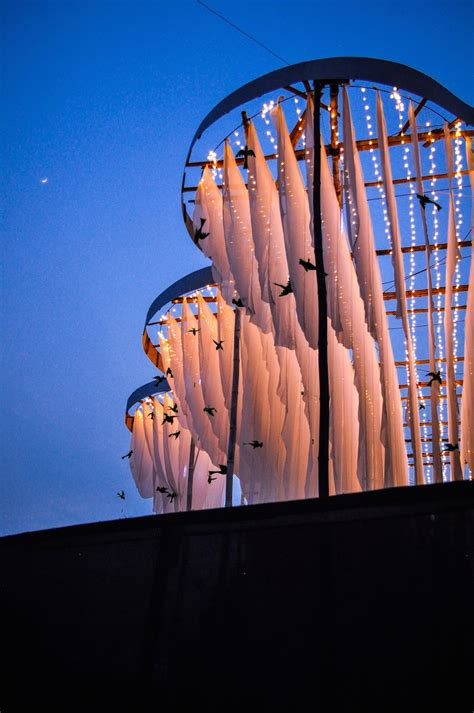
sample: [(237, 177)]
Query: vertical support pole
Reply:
[(189, 494), (323, 455), (333, 93), (233, 412)]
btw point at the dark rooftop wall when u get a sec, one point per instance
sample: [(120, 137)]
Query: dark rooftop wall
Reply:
[(357, 603)]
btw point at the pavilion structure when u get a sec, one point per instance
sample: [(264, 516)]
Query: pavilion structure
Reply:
[(329, 346)]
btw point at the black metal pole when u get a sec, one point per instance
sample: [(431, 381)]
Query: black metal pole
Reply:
[(233, 413), (323, 455), (189, 494)]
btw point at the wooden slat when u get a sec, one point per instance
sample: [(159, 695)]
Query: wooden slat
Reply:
[(425, 361), (422, 248), (424, 310), (424, 292), (426, 384), (416, 112)]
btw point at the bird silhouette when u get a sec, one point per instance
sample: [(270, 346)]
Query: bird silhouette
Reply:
[(127, 455), (169, 373), (255, 444), (199, 234), (175, 434), (194, 330), (161, 489), (307, 264), (435, 376), (219, 344), (245, 153), (286, 289), (174, 408), (222, 470), (171, 496), (158, 378), (121, 495), (450, 448), (167, 419), (424, 200), (238, 302), (151, 415), (210, 478), (210, 410), (421, 407)]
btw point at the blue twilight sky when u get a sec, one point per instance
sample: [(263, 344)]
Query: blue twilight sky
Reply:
[(103, 98)]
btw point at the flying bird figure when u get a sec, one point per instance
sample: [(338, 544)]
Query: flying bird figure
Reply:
[(169, 373), (424, 200), (238, 302), (255, 444), (199, 234), (245, 153), (175, 434), (286, 289), (167, 419), (219, 344), (151, 415), (121, 495), (210, 410), (161, 489), (435, 376), (210, 478), (450, 448), (171, 496), (158, 378), (173, 408), (127, 455), (307, 264), (421, 407), (194, 330), (222, 470)]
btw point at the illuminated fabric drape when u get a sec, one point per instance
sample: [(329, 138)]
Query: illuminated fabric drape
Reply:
[(399, 274), (269, 242), (467, 402), (370, 285), (295, 216), (346, 312), (239, 242), (208, 206), (204, 434), (207, 337), (171, 351), (435, 386), (452, 255), (141, 463)]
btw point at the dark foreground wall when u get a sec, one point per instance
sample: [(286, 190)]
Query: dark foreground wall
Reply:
[(359, 603)]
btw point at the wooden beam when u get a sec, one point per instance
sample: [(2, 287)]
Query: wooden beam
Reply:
[(424, 310), (425, 384), (422, 248), (438, 134), (424, 361), (424, 292), (412, 179), (420, 106)]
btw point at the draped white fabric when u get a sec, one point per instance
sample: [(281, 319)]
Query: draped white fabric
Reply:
[(295, 215), (141, 464), (370, 285), (239, 242), (467, 402), (452, 255), (208, 208), (269, 243), (435, 386), (399, 273)]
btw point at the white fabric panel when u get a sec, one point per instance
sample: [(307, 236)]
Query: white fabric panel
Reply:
[(452, 255), (370, 285), (255, 463), (208, 205), (344, 422), (199, 421), (295, 216), (225, 332), (141, 463), (295, 435), (269, 243), (210, 369), (346, 312), (399, 273), (160, 502), (467, 402), (435, 387), (239, 242), (171, 351)]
